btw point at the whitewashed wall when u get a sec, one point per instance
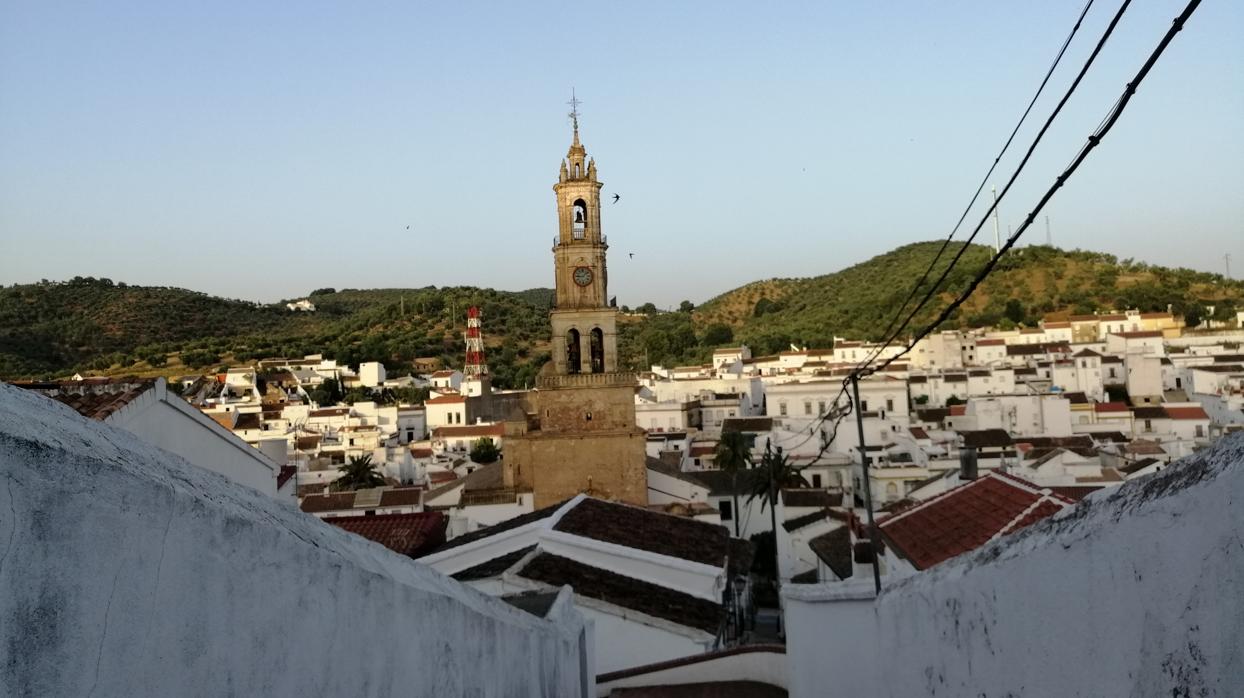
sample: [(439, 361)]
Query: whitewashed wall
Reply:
[(1134, 592), (127, 571)]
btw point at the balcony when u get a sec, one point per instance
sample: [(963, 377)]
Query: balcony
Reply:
[(586, 380)]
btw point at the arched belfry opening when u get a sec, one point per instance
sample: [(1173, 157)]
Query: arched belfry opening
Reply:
[(572, 351), (598, 350), (579, 218)]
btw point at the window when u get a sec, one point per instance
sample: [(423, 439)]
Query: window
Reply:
[(820, 407), (726, 509), (891, 490), (1148, 425), (863, 405), (782, 408), (1200, 431), (889, 404), (816, 481), (807, 408)]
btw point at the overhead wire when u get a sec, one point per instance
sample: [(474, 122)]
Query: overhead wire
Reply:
[(1094, 139), (869, 357), (933, 289), (984, 180)]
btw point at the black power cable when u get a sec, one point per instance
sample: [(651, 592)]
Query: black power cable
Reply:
[(1092, 142)]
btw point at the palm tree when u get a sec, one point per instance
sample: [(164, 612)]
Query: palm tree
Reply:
[(357, 474), (774, 474), (733, 455)]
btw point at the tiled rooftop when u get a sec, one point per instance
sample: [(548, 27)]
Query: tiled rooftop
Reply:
[(637, 595), (407, 534), (967, 517)]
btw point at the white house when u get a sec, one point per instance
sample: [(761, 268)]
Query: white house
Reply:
[(446, 380), (652, 583), (371, 374), (150, 412)]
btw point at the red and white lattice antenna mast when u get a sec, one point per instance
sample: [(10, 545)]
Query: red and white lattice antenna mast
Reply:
[(475, 365)]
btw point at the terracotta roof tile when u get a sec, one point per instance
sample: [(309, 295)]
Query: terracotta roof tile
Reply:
[(470, 430), (1186, 413), (99, 406), (407, 534), (967, 517)]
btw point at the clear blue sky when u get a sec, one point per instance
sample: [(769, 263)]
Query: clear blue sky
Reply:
[(260, 150)]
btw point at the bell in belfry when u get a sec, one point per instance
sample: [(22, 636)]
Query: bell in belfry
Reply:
[(578, 216)]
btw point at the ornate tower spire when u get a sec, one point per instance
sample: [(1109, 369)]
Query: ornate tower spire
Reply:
[(574, 114)]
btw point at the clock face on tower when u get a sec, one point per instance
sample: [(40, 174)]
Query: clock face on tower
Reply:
[(582, 276)]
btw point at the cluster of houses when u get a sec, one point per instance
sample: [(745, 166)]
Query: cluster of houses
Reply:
[(971, 435)]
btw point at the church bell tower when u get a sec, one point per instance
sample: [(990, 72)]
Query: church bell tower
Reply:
[(584, 326), (580, 433)]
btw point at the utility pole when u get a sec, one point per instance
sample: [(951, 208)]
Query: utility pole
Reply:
[(868, 490), (1227, 258), (997, 240), (1049, 242)]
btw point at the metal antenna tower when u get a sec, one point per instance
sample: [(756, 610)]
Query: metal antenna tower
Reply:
[(475, 365)]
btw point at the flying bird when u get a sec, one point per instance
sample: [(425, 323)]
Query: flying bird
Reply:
[(616, 197), (632, 255)]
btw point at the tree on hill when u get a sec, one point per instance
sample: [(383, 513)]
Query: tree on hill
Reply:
[(484, 451), (1223, 312), (686, 307), (717, 334), (356, 474)]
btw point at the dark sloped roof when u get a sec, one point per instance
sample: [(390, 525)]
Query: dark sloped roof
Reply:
[(1138, 465), (654, 532), (811, 498), (808, 577), (834, 549), (333, 501), (666, 469), (537, 603), (756, 424), (798, 522), (493, 567), (408, 534), (635, 594), (933, 414), (986, 438)]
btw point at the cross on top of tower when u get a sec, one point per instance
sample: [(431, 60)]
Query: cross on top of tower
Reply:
[(574, 113)]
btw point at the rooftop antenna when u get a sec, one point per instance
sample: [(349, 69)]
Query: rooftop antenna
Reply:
[(997, 240)]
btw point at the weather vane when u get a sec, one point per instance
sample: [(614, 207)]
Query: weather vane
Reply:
[(574, 109)]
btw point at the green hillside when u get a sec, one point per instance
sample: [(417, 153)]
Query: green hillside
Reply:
[(858, 302), (94, 325), (56, 329)]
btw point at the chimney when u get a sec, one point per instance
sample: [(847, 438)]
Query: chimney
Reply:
[(967, 463)]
